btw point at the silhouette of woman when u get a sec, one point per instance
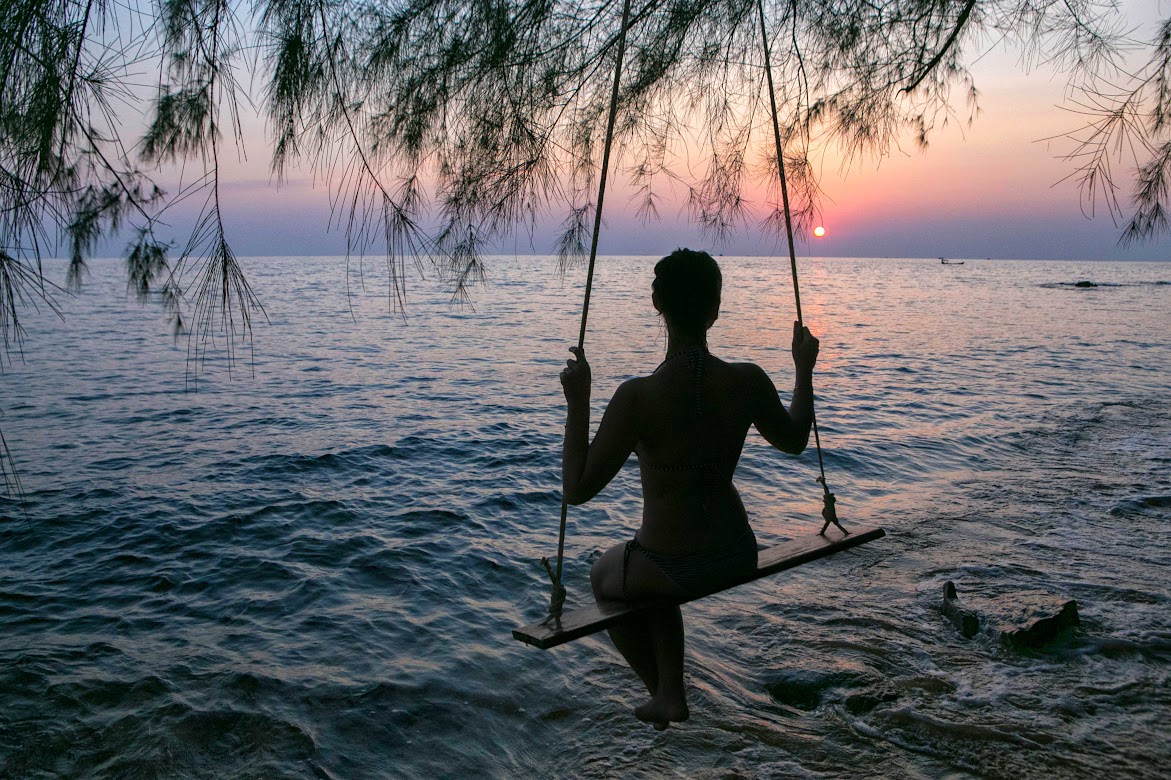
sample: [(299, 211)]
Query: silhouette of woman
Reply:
[(686, 422)]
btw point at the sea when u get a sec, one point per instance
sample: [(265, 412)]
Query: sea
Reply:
[(307, 562)]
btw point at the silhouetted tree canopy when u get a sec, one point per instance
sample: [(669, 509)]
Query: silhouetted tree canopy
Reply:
[(445, 123)]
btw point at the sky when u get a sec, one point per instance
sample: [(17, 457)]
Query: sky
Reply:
[(994, 189)]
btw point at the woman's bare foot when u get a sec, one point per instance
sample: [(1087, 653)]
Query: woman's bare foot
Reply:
[(663, 710)]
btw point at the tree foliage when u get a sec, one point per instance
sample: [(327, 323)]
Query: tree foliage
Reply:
[(442, 124)]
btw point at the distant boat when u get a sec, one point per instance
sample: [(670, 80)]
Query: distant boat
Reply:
[(945, 261)]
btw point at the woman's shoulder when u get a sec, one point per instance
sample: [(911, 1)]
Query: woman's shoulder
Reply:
[(749, 381), (749, 372), (630, 389)]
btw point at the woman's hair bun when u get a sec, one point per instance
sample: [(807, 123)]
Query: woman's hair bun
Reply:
[(688, 285)]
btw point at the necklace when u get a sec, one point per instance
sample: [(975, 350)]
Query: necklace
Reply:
[(696, 358), (692, 353)]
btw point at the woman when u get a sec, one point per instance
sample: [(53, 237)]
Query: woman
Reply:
[(686, 422)]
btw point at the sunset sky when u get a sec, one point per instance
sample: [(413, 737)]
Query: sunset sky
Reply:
[(995, 189)]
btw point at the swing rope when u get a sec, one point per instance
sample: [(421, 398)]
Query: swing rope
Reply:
[(557, 599), (828, 511)]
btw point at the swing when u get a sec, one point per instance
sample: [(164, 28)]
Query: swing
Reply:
[(561, 627)]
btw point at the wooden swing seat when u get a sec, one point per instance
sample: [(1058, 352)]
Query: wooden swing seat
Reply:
[(576, 623)]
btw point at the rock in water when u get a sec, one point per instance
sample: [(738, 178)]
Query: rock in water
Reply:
[(1085, 283), (1043, 630), (965, 620), (1040, 614)]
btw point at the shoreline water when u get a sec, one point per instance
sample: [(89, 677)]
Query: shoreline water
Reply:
[(312, 569)]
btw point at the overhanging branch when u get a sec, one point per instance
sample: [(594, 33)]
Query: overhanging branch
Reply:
[(955, 33)]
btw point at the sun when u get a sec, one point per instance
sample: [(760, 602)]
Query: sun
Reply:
[(819, 231)]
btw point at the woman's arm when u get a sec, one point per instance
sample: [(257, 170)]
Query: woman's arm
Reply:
[(788, 431), (587, 468)]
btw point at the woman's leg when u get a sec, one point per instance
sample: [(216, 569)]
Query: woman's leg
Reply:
[(653, 644), (634, 641), (669, 699)]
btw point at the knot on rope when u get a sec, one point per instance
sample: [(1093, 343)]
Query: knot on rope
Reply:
[(557, 597), (829, 510)]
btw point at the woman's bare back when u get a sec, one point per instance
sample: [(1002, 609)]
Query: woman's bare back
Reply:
[(693, 416), (687, 423)]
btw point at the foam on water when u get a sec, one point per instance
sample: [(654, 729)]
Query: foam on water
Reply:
[(312, 570)]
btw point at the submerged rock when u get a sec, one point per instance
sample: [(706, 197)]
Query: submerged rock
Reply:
[(1045, 629), (806, 689), (966, 621), (801, 690)]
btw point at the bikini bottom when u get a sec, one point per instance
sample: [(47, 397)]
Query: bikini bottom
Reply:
[(698, 572)]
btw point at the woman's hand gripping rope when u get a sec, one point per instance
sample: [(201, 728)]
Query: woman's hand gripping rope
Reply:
[(576, 378)]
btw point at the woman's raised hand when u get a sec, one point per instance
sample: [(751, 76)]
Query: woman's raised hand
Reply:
[(575, 377), (805, 348)]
